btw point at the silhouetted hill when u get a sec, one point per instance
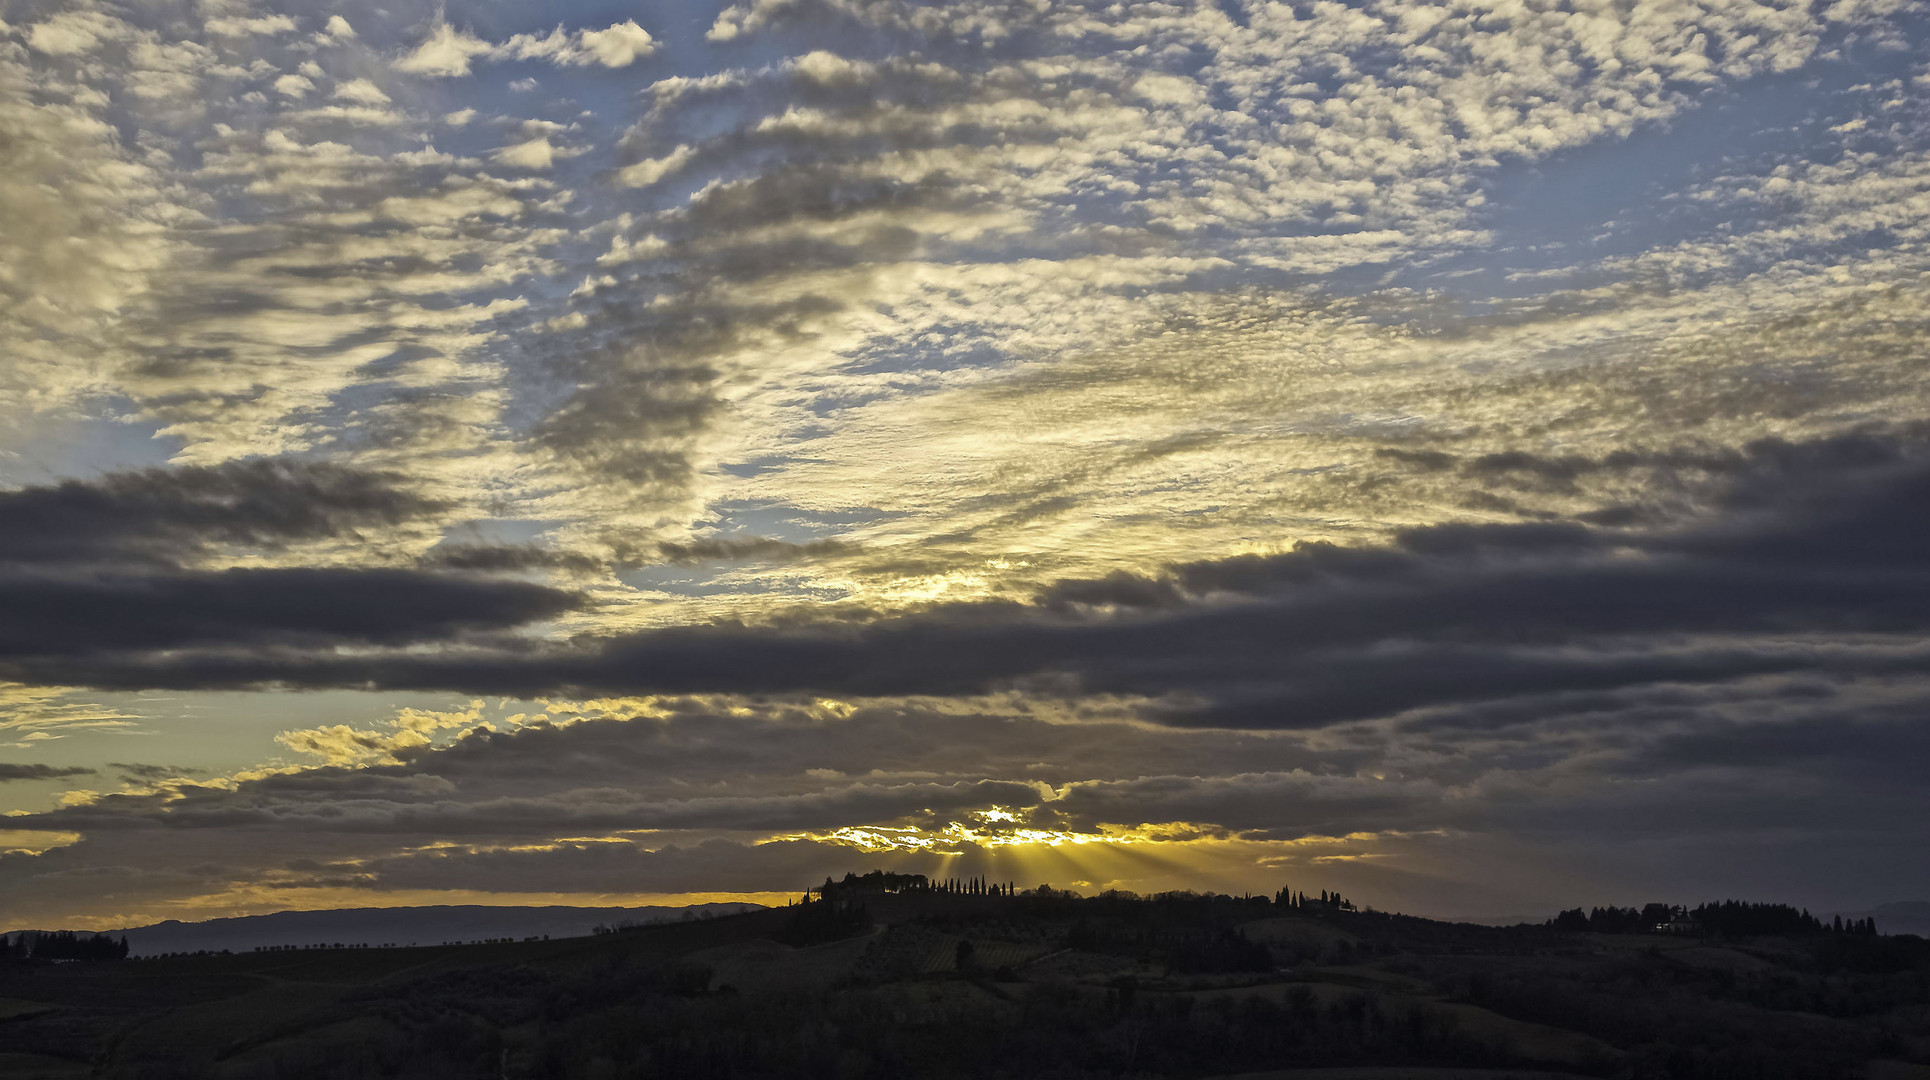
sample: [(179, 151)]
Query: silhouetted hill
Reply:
[(874, 979), (404, 926)]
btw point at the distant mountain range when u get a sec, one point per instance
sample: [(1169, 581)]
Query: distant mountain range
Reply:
[(399, 926)]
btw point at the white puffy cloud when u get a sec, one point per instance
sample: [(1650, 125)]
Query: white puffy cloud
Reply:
[(75, 32), (651, 170), (447, 52), (362, 92), (620, 45), (244, 26), (535, 153)]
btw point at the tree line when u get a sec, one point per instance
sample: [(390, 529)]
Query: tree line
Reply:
[(880, 881), (1287, 898), (1724, 918), (61, 945)]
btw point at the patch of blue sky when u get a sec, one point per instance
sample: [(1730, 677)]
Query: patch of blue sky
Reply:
[(108, 437), (497, 532), (831, 405), (755, 518), (1234, 10), (354, 416), (677, 580), (942, 348), (610, 96), (720, 579), (681, 23), (1621, 197), (389, 364), (759, 466)]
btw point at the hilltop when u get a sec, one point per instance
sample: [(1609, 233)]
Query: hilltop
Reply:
[(876, 978)]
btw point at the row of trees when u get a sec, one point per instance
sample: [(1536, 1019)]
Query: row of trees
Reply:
[(61, 945), (1865, 927), (883, 882), (351, 945), (1620, 920), (1725, 918), (1287, 898), (879, 881)]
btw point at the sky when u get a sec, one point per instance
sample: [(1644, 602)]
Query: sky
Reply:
[(1474, 456)]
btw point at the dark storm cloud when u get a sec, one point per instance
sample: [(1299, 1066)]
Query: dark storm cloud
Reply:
[(136, 772), (761, 769), (417, 801), (787, 749), (100, 566), (501, 558), (163, 515), (1870, 745), (43, 617), (1820, 547), (692, 800), (12, 771), (1673, 479)]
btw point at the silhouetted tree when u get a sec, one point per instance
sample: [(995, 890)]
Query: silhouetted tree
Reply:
[(68, 945), (1737, 918), (824, 920)]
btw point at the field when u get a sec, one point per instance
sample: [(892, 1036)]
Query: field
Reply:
[(962, 986)]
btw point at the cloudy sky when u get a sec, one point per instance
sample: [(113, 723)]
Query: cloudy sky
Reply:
[(1473, 455)]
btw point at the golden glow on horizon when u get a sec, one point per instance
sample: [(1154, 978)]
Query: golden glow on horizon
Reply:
[(1144, 857), (997, 827)]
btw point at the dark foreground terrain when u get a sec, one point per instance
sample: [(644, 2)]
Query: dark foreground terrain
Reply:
[(929, 984)]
